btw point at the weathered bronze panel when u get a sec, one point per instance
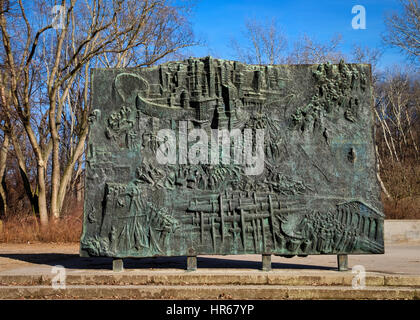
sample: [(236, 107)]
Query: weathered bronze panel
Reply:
[(312, 188)]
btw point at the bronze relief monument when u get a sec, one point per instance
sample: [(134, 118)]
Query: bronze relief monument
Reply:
[(209, 156)]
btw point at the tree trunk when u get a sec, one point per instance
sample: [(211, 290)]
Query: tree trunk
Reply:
[(42, 196), (55, 175), (3, 157), (378, 175), (24, 175), (65, 179), (384, 133)]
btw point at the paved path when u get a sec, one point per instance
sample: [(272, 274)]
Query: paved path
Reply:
[(26, 273), (40, 258)]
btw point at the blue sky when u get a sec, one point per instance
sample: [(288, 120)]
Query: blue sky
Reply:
[(217, 21)]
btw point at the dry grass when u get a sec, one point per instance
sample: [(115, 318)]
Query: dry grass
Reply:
[(406, 208), (402, 181), (27, 229)]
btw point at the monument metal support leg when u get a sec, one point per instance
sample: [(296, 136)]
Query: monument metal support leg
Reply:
[(191, 259), (343, 262), (118, 265), (191, 263), (266, 262)]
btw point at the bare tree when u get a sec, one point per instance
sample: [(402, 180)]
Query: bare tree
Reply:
[(364, 54), (5, 140), (18, 53), (396, 111), (309, 51), (140, 32), (403, 30), (398, 134), (42, 62), (13, 137), (266, 43), (4, 149)]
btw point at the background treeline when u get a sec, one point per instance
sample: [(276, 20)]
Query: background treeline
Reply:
[(44, 97)]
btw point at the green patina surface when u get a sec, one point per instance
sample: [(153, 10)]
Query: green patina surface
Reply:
[(317, 192)]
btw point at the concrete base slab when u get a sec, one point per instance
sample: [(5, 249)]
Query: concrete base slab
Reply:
[(28, 272), (253, 292)]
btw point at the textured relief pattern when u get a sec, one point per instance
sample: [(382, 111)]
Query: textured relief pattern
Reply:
[(317, 192)]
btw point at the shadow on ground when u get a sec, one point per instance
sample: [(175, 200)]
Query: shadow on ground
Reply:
[(74, 261)]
